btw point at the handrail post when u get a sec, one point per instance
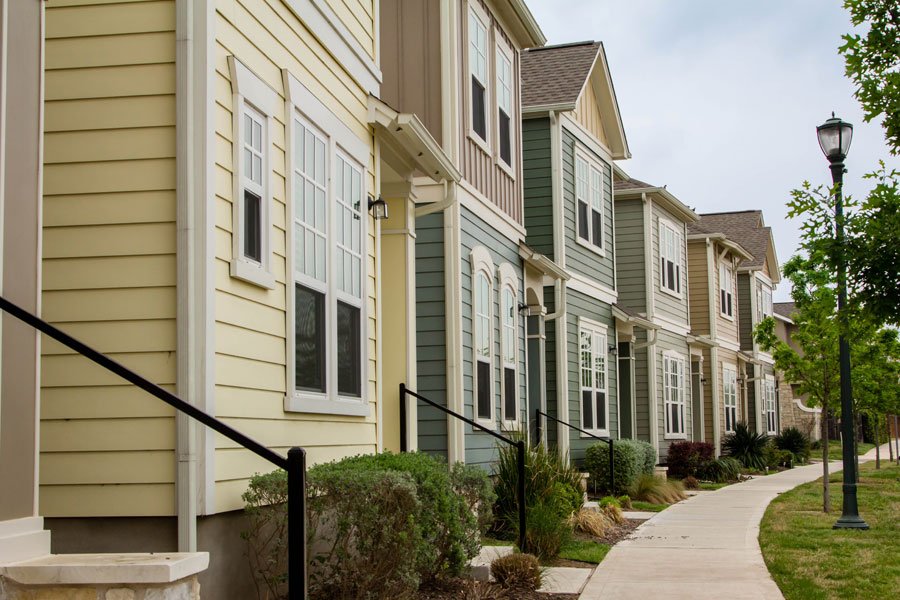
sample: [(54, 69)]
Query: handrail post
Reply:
[(403, 444), (297, 576), (520, 446), (539, 428), (612, 472)]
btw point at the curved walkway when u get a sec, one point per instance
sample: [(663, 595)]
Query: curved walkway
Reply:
[(704, 547)]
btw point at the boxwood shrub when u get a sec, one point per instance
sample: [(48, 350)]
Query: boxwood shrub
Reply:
[(630, 459), (683, 458)]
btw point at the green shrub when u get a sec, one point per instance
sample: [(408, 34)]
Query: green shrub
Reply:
[(546, 530), (630, 458), (774, 457), (690, 483), (607, 500), (474, 486), (683, 458), (720, 470), (624, 501), (517, 571), (652, 489), (746, 446), (794, 441), (266, 509)]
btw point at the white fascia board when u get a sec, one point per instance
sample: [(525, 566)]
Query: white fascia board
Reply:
[(582, 284)]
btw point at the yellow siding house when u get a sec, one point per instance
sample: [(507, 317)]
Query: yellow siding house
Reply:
[(207, 170)]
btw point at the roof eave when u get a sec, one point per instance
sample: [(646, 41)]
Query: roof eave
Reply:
[(671, 203), (523, 24), (539, 110)]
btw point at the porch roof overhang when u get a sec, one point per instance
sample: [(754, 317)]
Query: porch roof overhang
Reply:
[(748, 358), (722, 239), (409, 142), (551, 271), (631, 317), (663, 197), (694, 339)]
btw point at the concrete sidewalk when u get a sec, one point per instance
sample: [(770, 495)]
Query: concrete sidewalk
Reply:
[(704, 547)]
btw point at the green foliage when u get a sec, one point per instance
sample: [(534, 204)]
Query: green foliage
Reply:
[(266, 509), (517, 571), (683, 458), (649, 488), (775, 457), (624, 501), (794, 441), (720, 470), (585, 551), (746, 446), (607, 500), (474, 486), (546, 530), (630, 459)]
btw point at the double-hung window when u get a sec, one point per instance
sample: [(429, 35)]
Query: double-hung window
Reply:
[(726, 291), (326, 259), (670, 242), (589, 202), (509, 343), (674, 394), (253, 104), (478, 70), (729, 390), (592, 363), (771, 411), (504, 104), (482, 333), (763, 302)]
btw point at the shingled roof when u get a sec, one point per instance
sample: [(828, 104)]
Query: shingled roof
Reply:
[(785, 309), (631, 184), (743, 227), (556, 74)]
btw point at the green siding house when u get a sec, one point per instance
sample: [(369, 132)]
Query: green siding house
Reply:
[(571, 134)]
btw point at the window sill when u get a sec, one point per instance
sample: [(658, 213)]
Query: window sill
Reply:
[(666, 290), (604, 433), (323, 405), (488, 423), (600, 251), (675, 436), (252, 273), (727, 317)]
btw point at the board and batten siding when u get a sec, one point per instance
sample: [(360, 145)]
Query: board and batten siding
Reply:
[(580, 305), (579, 259), (587, 112), (250, 327), (630, 267), (431, 347), (665, 304), (108, 257), (481, 448), (538, 182)]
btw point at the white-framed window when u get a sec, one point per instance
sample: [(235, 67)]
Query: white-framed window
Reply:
[(479, 90), (729, 391), (326, 259), (593, 370), (763, 301), (483, 335), (726, 291), (670, 243), (509, 328), (674, 394), (253, 104), (770, 408), (505, 122), (589, 202)]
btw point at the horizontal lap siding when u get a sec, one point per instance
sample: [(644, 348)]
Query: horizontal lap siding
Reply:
[(667, 305), (641, 386), (481, 447), (745, 314), (581, 305), (358, 16), (550, 328), (538, 182), (727, 329), (669, 341), (431, 350), (579, 259), (630, 267), (699, 287), (250, 327), (107, 448)]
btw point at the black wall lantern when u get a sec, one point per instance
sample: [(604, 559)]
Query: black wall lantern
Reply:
[(378, 208)]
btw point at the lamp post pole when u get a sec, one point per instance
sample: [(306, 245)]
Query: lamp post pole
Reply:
[(836, 154)]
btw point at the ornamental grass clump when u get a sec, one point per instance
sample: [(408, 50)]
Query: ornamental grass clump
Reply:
[(654, 490), (517, 571), (794, 441), (592, 522), (746, 446)]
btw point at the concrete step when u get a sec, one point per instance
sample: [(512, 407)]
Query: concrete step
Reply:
[(564, 580), (480, 566)]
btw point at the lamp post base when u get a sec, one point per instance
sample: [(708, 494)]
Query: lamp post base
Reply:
[(850, 522)]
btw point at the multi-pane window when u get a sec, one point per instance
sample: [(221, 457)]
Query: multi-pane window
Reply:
[(771, 412), (589, 201), (729, 390), (726, 290), (670, 243), (674, 394), (592, 362), (478, 68), (763, 302), (504, 106), (252, 180), (508, 313), (482, 345)]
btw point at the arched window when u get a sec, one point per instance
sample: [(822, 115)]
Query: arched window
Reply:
[(509, 328), (482, 334)]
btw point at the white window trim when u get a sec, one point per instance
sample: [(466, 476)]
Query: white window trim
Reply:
[(601, 329), (600, 168), (501, 47), (732, 369), (685, 392), (480, 259), (301, 103), (770, 381), (482, 17), (248, 89), (679, 243), (506, 275), (729, 271)]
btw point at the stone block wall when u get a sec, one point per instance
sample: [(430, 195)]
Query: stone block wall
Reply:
[(183, 589)]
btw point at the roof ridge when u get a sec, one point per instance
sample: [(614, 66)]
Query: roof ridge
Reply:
[(564, 45)]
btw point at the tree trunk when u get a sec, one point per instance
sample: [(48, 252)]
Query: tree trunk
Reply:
[(877, 441), (857, 419), (896, 440), (826, 488), (887, 418)]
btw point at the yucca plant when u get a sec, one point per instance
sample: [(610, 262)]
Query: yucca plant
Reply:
[(746, 446), (794, 441)]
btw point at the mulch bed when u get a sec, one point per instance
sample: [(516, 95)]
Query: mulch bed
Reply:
[(465, 589)]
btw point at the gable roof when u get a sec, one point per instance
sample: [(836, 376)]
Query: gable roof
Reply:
[(785, 309), (625, 186), (555, 77), (747, 228)]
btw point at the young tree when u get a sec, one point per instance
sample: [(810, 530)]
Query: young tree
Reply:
[(876, 377)]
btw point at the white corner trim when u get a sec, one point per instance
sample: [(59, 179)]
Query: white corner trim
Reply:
[(337, 39), (586, 137)]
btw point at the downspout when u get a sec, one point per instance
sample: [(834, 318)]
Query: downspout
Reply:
[(652, 402), (559, 314), (453, 325), (448, 201), (712, 268)]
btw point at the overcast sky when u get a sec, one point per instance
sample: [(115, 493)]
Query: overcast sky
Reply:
[(720, 98)]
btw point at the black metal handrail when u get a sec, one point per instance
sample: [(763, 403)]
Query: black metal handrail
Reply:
[(612, 478), (520, 450), (294, 464)]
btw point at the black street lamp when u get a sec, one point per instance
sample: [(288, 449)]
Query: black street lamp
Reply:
[(834, 139)]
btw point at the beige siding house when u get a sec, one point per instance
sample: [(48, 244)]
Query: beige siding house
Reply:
[(208, 166)]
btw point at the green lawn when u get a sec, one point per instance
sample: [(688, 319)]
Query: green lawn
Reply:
[(810, 560), (709, 485), (835, 451), (585, 551), (648, 507)]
